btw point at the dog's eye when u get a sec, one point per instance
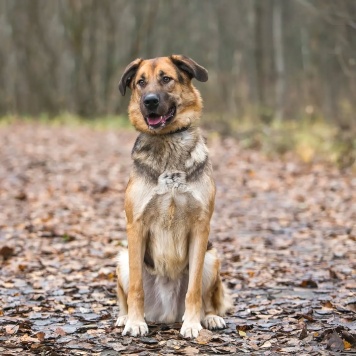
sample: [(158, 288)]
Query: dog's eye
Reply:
[(166, 79), (141, 83)]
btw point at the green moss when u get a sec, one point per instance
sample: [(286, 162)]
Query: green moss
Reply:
[(309, 138), (101, 123)]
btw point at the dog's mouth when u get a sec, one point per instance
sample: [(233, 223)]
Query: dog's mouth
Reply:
[(155, 121)]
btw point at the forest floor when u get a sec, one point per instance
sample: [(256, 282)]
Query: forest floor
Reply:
[(285, 231)]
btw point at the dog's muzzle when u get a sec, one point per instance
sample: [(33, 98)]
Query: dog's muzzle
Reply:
[(155, 121)]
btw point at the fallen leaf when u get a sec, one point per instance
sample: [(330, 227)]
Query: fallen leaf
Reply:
[(204, 336), (148, 340), (351, 306), (6, 252), (175, 344), (335, 343), (190, 350), (328, 305), (227, 349), (254, 346), (333, 274), (347, 345), (60, 331), (308, 283), (41, 336), (272, 229), (307, 317), (118, 347), (266, 345), (242, 333), (244, 327), (11, 329), (304, 333), (28, 339), (22, 267), (350, 338)]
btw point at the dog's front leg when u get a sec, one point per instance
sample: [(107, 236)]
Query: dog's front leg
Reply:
[(135, 324), (193, 301)]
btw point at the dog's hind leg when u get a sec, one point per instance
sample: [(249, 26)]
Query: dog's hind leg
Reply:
[(122, 271), (215, 299)]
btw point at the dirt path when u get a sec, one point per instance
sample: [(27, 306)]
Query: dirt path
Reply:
[(286, 233)]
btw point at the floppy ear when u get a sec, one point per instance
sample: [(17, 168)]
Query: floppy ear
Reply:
[(187, 65), (129, 73)]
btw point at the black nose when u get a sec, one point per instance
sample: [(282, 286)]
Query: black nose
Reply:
[(151, 101)]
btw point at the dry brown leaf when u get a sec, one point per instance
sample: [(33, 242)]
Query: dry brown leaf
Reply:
[(28, 339), (308, 283), (244, 327), (304, 333), (11, 329), (204, 336), (40, 336), (328, 305), (333, 274), (60, 331), (190, 350), (270, 228), (254, 346), (6, 252)]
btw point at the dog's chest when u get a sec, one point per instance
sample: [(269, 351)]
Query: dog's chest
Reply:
[(171, 192), (169, 219), (185, 152)]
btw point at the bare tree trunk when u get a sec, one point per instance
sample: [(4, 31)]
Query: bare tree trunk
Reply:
[(261, 57), (278, 60), (266, 58)]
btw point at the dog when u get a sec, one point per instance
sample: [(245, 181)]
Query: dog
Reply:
[(170, 272)]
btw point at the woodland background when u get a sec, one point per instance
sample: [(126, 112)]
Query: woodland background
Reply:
[(270, 59), (281, 132)]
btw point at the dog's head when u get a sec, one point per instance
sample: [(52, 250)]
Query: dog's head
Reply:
[(163, 98)]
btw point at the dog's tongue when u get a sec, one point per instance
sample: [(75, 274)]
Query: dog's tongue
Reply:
[(154, 119)]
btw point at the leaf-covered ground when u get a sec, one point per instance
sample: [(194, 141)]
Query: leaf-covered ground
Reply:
[(285, 231)]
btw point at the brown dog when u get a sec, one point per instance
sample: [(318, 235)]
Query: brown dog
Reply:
[(169, 272)]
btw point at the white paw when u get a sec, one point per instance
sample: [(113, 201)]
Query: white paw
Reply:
[(214, 322), (121, 320), (135, 328), (172, 180), (190, 330)]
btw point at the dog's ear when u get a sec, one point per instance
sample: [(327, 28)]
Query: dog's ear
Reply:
[(192, 68), (129, 73)]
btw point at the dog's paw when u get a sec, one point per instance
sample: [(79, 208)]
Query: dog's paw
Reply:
[(213, 322), (135, 328), (190, 330), (172, 180), (121, 320)]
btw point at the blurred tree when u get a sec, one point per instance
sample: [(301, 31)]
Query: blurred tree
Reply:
[(278, 58), (272, 59)]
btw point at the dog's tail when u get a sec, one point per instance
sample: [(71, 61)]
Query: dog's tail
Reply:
[(222, 300)]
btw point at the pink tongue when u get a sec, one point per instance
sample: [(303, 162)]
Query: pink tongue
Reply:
[(154, 120)]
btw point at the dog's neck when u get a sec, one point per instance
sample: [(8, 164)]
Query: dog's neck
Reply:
[(181, 141), (182, 129), (183, 150)]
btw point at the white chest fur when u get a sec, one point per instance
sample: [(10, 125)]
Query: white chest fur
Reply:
[(167, 211)]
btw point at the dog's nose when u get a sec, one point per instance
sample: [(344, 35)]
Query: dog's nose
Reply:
[(151, 101)]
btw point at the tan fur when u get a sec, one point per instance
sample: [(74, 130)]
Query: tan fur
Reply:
[(169, 202)]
